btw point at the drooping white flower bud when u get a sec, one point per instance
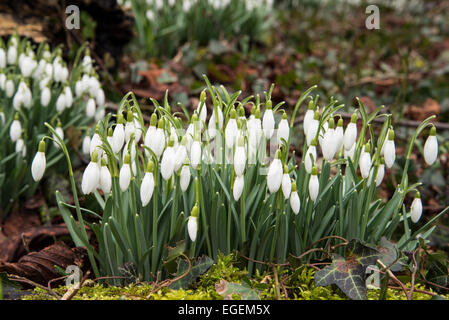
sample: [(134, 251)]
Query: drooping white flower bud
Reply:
[(185, 176), (147, 186), (91, 176), (310, 156), (283, 129), (275, 173), (9, 88), (339, 134), (195, 154), (286, 183), (96, 142), (45, 96), (212, 128), (68, 97), (308, 117), (237, 188), (15, 131), (12, 55), (268, 120), (2, 58), (312, 130), (118, 137), (105, 177), (39, 163), (60, 103), (231, 129), (329, 144), (350, 153), (416, 208), (181, 154), (365, 161), (240, 157), (100, 97), (157, 144), (192, 223), (295, 203), (59, 132), (90, 108), (86, 145), (390, 150), (314, 184), (350, 133), (431, 147), (125, 173), (202, 108), (168, 160)]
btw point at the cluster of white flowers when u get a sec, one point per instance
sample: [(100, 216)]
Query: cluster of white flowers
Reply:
[(227, 138), (156, 5), (29, 77)]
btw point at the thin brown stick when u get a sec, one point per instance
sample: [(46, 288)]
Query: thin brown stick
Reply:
[(392, 276), (74, 290), (30, 282)]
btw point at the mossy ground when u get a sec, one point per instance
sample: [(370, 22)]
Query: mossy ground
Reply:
[(298, 284)]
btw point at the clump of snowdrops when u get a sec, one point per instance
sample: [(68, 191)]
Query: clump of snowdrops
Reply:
[(228, 182), (165, 25), (36, 86)]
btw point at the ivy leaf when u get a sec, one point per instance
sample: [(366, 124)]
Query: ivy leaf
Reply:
[(389, 254), (349, 273), (228, 289), (199, 267)]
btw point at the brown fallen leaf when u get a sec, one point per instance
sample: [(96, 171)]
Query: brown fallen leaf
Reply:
[(19, 221), (14, 247), (39, 267), (420, 113)]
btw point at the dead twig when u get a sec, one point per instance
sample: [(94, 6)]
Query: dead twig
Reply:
[(72, 291), (34, 284)]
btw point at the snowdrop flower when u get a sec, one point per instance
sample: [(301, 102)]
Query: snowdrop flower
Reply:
[(168, 160), (149, 135), (275, 173), (118, 137), (238, 187), (351, 133), (212, 128), (68, 97), (105, 177), (268, 120), (255, 130), (308, 117), (86, 145), (12, 54), (231, 129), (100, 97), (365, 161), (380, 173), (17, 101), (147, 186), (350, 153), (91, 176), (125, 173), (185, 176), (328, 147), (90, 108), (95, 142), (157, 144), (202, 108), (295, 204), (431, 147), (2, 58), (21, 147), (416, 208), (39, 163), (192, 223), (181, 153), (9, 88), (390, 150), (45, 96), (283, 129), (130, 127), (311, 152), (314, 185), (313, 127), (2, 81), (15, 131), (27, 66), (240, 157), (100, 114), (286, 183), (60, 103), (59, 132), (195, 154), (339, 134)]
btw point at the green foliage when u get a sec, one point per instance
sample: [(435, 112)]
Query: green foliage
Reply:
[(23, 81), (164, 26)]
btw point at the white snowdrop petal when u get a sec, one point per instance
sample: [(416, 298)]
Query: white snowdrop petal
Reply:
[(38, 166)]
